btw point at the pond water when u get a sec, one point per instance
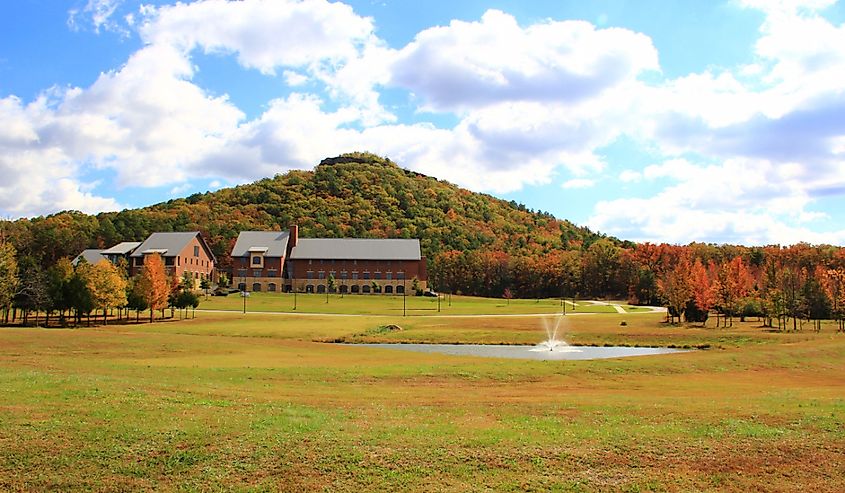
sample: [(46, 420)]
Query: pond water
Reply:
[(540, 352)]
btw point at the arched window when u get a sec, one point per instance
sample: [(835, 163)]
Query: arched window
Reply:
[(400, 289), (344, 289), (388, 289), (256, 286), (271, 287), (365, 288), (321, 288), (356, 289), (309, 288), (241, 286)]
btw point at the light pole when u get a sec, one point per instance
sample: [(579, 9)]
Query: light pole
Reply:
[(245, 295), (404, 295), (294, 296)]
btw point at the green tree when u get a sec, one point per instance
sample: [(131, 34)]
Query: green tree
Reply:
[(8, 277)]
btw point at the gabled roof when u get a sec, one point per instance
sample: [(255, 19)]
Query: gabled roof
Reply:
[(356, 249), (122, 248), (91, 255), (170, 244), (271, 243)]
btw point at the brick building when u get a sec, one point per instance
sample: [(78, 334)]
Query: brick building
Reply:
[(180, 252)]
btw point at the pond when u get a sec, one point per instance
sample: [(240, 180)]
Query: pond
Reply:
[(539, 352)]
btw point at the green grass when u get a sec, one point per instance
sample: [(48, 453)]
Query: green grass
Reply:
[(393, 305), (252, 403)]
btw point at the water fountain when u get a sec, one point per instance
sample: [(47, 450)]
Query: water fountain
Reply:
[(552, 343)]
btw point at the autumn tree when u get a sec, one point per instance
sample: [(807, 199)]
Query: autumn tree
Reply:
[(152, 285), (107, 286), (675, 287), (703, 292), (833, 282), (734, 283)]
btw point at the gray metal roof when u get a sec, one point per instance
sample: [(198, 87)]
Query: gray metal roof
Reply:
[(168, 244), (276, 243), (356, 249), (91, 255), (122, 248)]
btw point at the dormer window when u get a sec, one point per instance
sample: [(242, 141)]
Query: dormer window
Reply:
[(256, 260)]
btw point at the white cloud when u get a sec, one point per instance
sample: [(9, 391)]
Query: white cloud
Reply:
[(578, 183), (473, 64), (99, 14)]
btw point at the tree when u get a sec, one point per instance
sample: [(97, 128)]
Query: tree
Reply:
[(223, 279), (153, 285), (331, 286), (79, 293), (676, 288), (135, 299), (107, 287), (205, 285), (703, 292), (833, 283), (734, 284), (506, 294), (8, 277), (59, 279)]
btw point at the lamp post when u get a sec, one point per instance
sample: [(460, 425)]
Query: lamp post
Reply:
[(294, 296), (245, 295), (404, 295)]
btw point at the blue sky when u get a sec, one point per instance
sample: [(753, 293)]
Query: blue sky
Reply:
[(718, 121)]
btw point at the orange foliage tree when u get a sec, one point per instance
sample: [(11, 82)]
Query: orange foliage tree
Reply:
[(152, 286)]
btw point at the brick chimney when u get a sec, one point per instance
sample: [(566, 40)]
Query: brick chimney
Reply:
[(294, 236)]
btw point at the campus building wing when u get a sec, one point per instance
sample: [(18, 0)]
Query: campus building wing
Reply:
[(180, 252), (258, 260), (274, 260)]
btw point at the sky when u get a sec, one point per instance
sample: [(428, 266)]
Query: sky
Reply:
[(720, 121)]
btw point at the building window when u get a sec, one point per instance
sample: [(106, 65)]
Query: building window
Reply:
[(354, 276), (388, 289), (365, 288), (242, 273), (344, 274), (256, 260), (272, 273), (168, 261), (377, 275), (256, 287), (400, 289), (309, 274), (196, 251), (355, 289), (241, 286), (321, 289), (321, 274), (366, 275), (256, 273), (388, 275), (400, 275), (271, 287)]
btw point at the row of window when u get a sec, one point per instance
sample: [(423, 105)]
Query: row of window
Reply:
[(388, 276), (332, 261), (321, 288), (258, 273)]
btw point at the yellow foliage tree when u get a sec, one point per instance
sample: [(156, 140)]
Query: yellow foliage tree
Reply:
[(107, 287)]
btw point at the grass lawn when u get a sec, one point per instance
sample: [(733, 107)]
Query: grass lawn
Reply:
[(393, 305), (254, 403)]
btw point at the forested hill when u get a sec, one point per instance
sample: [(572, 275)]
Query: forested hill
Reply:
[(353, 195)]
